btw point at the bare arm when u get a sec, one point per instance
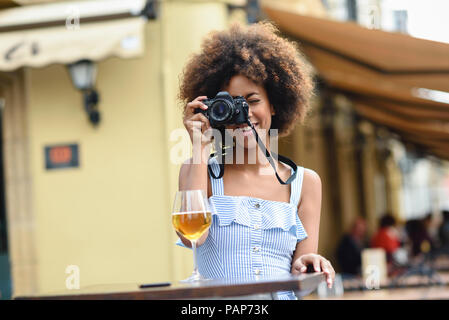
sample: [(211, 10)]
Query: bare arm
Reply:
[(193, 177), (193, 172), (309, 210)]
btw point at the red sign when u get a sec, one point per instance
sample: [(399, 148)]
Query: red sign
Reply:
[(61, 156)]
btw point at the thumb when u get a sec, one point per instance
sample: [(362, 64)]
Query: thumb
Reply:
[(300, 267)]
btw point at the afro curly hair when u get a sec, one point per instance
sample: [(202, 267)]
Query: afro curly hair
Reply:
[(260, 54)]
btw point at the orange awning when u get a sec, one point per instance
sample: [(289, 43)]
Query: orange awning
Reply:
[(386, 75)]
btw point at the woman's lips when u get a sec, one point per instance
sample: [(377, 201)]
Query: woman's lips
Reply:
[(247, 130)]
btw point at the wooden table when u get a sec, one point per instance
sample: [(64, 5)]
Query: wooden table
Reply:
[(212, 289)]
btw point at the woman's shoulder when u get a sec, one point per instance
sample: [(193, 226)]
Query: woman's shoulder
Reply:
[(311, 187), (310, 177), (311, 181)]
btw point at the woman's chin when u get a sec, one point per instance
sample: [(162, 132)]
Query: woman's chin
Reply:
[(248, 142)]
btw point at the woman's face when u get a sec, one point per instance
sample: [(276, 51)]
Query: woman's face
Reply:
[(260, 110)]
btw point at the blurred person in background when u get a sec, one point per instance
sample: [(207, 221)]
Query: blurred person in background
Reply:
[(443, 232), (431, 231), (387, 237), (350, 248), (419, 236)]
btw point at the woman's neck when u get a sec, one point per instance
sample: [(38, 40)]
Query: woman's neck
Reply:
[(248, 159)]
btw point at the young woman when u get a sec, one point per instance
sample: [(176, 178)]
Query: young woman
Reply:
[(259, 226)]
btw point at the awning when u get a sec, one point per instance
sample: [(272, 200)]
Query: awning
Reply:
[(383, 51), (394, 80), (38, 35), (7, 4)]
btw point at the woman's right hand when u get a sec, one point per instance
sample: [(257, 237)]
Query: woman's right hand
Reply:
[(196, 123)]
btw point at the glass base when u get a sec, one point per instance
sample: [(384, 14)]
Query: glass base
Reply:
[(195, 277)]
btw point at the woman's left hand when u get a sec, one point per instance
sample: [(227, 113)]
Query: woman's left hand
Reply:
[(320, 264)]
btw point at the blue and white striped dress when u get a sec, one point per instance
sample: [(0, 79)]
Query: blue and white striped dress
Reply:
[(249, 236)]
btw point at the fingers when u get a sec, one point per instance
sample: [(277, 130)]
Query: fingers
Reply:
[(319, 263), (299, 267), (199, 129), (316, 264), (329, 271), (312, 259), (198, 121), (196, 103)]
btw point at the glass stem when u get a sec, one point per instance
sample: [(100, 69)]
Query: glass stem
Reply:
[(195, 265)]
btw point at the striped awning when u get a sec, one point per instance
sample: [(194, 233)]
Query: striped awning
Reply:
[(65, 32)]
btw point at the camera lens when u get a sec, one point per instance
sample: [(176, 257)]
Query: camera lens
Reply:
[(220, 111)]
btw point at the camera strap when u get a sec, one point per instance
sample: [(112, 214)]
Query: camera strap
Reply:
[(222, 153), (265, 151), (278, 157)]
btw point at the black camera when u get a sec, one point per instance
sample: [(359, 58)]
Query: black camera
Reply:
[(225, 110)]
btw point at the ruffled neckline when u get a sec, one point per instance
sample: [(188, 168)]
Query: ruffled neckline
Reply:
[(253, 198)]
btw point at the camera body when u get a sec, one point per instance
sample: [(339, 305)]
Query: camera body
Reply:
[(225, 110)]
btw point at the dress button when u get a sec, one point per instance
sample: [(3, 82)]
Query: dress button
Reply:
[(256, 249), (257, 206), (257, 271), (256, 227)]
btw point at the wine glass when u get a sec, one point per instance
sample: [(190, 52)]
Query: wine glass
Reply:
[(191, 217)]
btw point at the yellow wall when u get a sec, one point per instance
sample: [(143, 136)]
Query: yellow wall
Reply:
[(111, 216)]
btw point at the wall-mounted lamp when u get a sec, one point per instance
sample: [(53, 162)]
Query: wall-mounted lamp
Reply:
[(83, 74)]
